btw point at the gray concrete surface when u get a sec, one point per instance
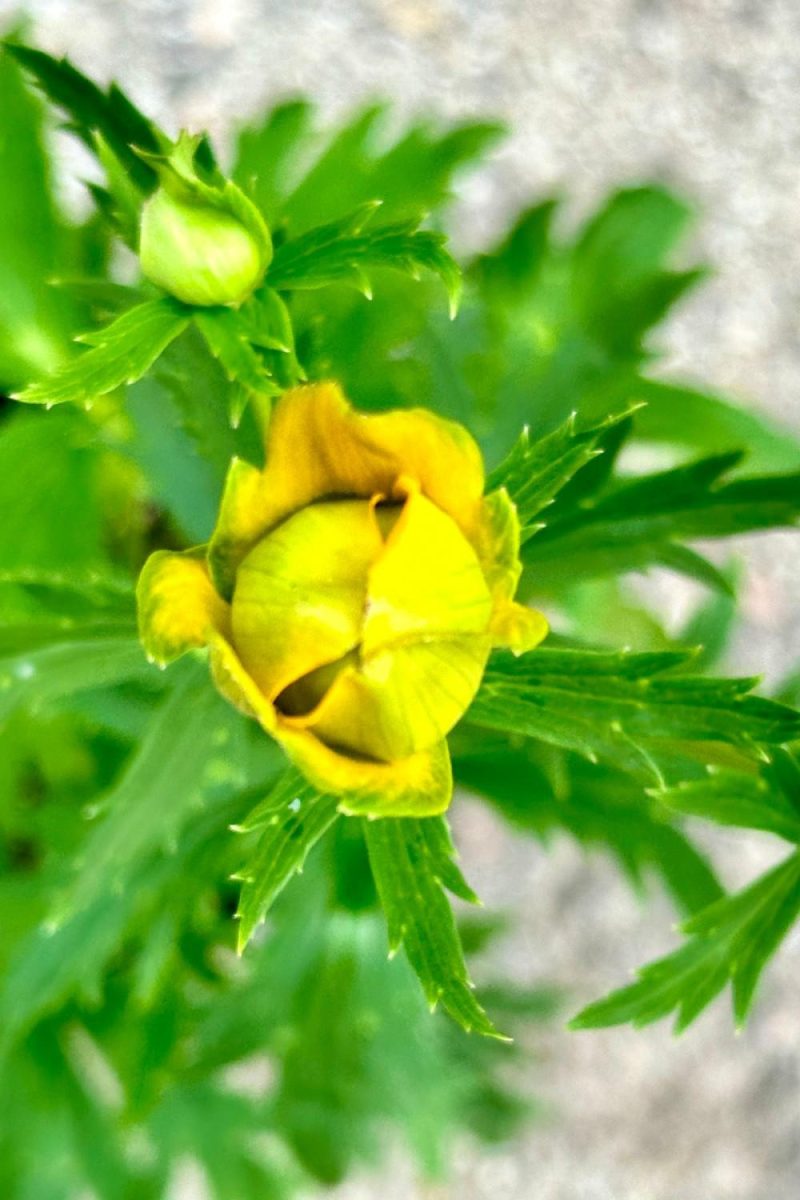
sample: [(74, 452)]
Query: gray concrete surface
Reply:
[(700, 93)]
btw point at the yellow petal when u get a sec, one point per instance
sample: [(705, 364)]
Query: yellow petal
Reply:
[(427, 582), (517, 627), (178, 606), (514, 626), (498, 544), (400, 700), (418, 786), (301, 592), (318, 447)]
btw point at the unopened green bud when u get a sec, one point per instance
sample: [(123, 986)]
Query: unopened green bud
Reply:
[(199, 254), (203, 242)]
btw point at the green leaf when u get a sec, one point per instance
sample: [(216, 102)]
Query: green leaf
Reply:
[(355, 165), (35, 242), (628, 709), (535, 472), (189, 750), (60, 662), (120, 354), (412, 862), (293, 818), (703, 422), (641, 522), (91, 110), (732, 940), (227, 337), (541, 791), (66, 482), (732, 798), (512, 270), (620, 283), (267, 151), (343, 252)]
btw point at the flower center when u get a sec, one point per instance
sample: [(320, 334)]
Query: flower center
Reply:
[(366, 623)]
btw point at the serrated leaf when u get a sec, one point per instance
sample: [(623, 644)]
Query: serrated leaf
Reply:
[(732, 940), (93, 111), (641, 522), (344, 252), (731, 798), (293, 817), (536, 471), (120, 353), (627, 709), (227, 337), (541, 791), (412, 864), (187, 752)]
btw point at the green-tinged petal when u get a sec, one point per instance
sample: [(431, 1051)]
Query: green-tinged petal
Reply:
[(401, 700), (498, 544), (427, 583), (513, 626), (301, 592), (418, 786), (517, 628), (318, 447), (178, 606)]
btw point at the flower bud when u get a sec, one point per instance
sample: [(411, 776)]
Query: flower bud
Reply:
[(350, 596), (204, 243), (197, 253)]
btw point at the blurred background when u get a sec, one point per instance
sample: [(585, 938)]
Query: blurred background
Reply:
[(699, 94)]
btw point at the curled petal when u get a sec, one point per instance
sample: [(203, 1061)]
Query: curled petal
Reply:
[(513, 626), (318, 447), (179, 608), (419, 785), (400, 700), (300, 593), (427, 582)]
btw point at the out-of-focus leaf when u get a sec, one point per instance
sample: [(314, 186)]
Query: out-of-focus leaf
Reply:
[(71, 662), (91, 110), (411, 175), (190, 748), (626, 246), (732, 940), (34, 243), (706, 423), (66, 482), (599, 807)]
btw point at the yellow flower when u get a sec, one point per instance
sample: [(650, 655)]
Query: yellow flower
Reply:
[(350, 595)]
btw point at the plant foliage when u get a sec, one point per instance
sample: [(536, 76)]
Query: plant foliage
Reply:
[(140, 814)]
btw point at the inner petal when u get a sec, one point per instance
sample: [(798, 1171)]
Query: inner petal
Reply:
[(398, 701), (428, 582), (300, 593)]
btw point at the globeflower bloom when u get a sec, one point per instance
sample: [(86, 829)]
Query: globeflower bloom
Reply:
[(350, 595)]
